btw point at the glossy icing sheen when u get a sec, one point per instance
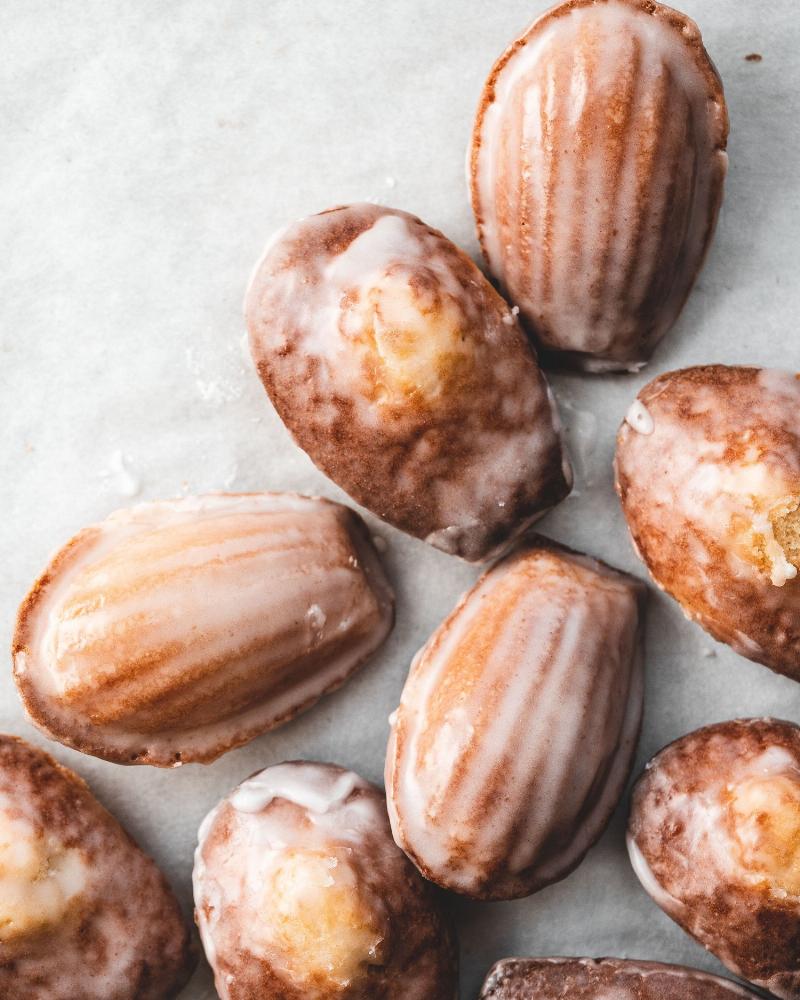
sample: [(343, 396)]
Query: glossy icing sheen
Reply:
[(301, 894), (173, 631), (83, 913), (597, 165), (517, 725), (714, 836), (707, 464), (406, 377), (603, 979)]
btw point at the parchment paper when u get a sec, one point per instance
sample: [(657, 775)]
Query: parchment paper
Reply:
[(148, 151)]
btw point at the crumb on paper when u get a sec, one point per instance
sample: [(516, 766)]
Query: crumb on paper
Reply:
[(753, 57)]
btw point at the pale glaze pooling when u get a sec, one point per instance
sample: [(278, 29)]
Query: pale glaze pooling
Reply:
[(597, 165), (603, 979), (517, 725), (301, 894), (406, 377), (172, 631), (714, 836), (702, 493), (83, 912)]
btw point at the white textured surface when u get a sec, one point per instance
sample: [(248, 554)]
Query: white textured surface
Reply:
[(149, 150)]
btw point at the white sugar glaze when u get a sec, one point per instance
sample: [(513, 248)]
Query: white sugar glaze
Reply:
[(264, 585), (382, 346), (535, 676), (600, 125), (303, 848)]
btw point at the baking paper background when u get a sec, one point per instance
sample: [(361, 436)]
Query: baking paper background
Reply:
[(148, 151)]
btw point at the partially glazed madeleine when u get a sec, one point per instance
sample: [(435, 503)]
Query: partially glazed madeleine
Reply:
[(597, 166), (517, 725), (603, 979), (301, 894), (406, 378), (714, 836), (83, 912), (173, 631), (708, 472)]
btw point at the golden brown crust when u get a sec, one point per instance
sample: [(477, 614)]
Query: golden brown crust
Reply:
[(570, 328), (697, 491), (466, 453), (157, 696), (124, 937), (544, 652), (300, 810), (712, 836)]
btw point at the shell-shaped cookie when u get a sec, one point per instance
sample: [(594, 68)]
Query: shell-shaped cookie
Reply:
[(301, 894), (517, 725), (173, 631), (714, 837), (708, 472), (406, 378), (603, 979), (83, 912), (597, 167)]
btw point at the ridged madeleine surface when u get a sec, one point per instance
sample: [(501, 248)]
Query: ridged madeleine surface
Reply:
[(517, 725), (597, 167), (708, 472), (301, 894), (406, 378), (84, 914), (714, 837), (603, 979), (174, 631)]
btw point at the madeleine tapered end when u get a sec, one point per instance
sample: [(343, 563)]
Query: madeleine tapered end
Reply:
[(300, 893), (517, 725), (406, 378), (714, 837), (602, 979), (174, 631), (597, 166), (83, 912)]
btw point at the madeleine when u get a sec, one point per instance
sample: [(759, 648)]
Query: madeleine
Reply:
[(301, 894), (173, 631), (517, 725), (603, 979), (708, 472), (597, 167), (83, 912), (714, 837), (406, 378)]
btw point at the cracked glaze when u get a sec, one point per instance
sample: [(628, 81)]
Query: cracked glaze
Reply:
[(83, 912), (714, 837), (701, 492), (406, 378), (301, 894)]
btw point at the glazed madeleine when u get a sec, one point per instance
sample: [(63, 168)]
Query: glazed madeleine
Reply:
[(174, 631), (603, 979), (597, 166), (708, 472), (83, 912), (517, 725), (301, 894), (406, 378), (714, 836)]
